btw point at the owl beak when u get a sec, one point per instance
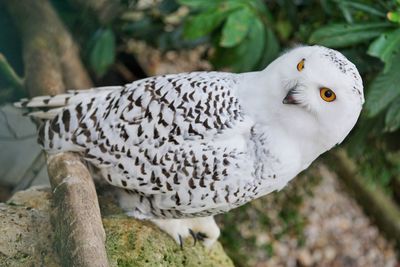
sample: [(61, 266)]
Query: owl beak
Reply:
[(289, 98)]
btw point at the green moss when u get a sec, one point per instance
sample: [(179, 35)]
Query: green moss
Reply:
[(20, 259), (136, 243)]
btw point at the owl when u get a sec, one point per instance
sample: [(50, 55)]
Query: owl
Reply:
[(181, 148)]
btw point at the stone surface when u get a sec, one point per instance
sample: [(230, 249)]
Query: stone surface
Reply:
[(26, 237), (25, 230)]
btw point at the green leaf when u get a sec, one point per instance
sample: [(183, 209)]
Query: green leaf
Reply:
[(236, 27), (392, 119), (346, 12), (253, 50), (342, 35), (271, 49), (394, 16), (386, 47), (102, 52), (326, 6), (383, 90), (365, 8), (262, 9), (200, 3), (205, 22), (357, 140), (246, 55), (284, 29)]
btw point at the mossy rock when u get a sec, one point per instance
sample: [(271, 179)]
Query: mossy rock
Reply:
[(26, 237)]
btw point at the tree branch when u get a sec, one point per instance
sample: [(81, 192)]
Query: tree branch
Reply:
[(51, 58), (77, 222), (51, 65)]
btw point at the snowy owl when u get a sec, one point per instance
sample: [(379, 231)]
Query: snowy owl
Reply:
[(184, 147)]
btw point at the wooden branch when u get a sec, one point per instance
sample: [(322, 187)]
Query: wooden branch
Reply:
[(75, 75), (381, 208), (52, 64), (77, 221), (34, 20), (45, 42)]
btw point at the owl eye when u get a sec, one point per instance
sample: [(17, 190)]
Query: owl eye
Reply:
[(327, 94), (300, 65)]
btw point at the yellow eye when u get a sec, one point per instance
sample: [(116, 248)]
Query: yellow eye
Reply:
[(300, 65), (327, 94)]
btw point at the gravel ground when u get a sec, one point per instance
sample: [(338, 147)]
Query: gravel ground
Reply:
[(337, 233)]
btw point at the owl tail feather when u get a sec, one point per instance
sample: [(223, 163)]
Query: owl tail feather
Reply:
[(47, 107)]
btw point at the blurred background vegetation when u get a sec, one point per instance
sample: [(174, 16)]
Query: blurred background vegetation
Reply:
[(239, 36)]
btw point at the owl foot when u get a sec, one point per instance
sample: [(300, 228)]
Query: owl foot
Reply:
[(202, 229), (197, 236)]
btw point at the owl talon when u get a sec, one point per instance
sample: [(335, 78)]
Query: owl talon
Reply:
[(202, 229), (201, 236), (194, 235), (180, 241)]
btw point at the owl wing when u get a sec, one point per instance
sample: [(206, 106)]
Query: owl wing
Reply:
[(176, 137)]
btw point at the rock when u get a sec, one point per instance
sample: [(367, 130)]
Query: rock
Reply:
[(330, 253), (304, 258), (26, 237), (25, 231)]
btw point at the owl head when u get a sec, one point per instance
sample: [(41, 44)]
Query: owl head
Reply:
[(322, 87), (315, 94)]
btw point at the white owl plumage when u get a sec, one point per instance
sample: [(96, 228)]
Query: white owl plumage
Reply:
[(184, 147)]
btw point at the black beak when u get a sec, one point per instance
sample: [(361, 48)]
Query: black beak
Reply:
[(289, 98)]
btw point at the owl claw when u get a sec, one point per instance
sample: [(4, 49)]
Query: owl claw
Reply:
[(201, 236), (194, 236), (202, 229), (180, 241)]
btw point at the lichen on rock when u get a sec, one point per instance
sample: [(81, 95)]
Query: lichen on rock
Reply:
[(25, 231)]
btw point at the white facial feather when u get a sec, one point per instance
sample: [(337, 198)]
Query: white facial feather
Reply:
[(316, 124)]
